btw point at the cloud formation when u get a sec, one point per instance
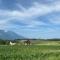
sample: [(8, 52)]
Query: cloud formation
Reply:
[(27, 18)]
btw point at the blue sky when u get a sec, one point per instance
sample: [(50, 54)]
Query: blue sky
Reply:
[(31, 18)]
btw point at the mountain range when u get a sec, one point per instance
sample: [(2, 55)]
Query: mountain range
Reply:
[(10, 35)]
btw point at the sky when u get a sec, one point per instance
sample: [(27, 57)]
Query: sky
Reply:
[(31, 18)]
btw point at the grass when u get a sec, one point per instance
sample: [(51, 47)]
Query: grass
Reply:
[(33, 52)]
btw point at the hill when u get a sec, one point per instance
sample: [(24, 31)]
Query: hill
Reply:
[(9, 35)]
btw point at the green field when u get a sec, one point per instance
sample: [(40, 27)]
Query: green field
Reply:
[(32, 52)]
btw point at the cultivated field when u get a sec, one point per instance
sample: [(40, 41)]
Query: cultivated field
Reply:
[(47, 51)]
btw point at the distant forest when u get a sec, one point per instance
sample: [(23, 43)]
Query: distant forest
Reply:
[(6, 42)]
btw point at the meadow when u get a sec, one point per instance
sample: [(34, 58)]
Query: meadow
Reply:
[(32, 52)]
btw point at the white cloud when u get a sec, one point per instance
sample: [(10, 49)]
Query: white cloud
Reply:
[(5, 21), (21, 7), (35, 24), (28, 15), (55, 20), (36, 10)]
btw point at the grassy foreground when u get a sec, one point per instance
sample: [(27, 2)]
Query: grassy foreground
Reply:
[(33, 52)]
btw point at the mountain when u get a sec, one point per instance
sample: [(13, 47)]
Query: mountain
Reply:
[(9, 35)]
